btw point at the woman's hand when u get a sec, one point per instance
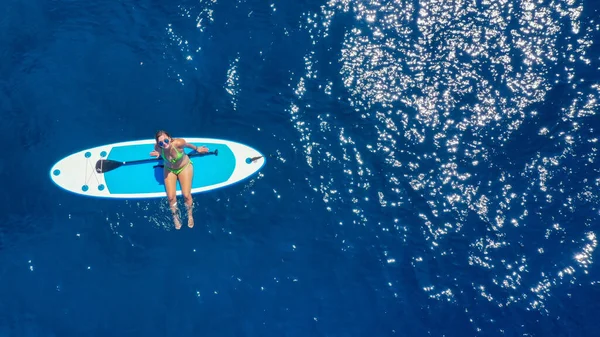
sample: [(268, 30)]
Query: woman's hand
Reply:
[(155, 154), (202, 149)]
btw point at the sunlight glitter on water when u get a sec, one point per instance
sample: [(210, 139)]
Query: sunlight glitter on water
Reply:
[(232, 82), (462, 81)]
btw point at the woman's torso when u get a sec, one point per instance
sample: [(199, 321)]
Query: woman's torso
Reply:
[(174, 157)]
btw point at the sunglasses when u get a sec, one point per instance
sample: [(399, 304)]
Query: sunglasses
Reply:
[(163, 143)]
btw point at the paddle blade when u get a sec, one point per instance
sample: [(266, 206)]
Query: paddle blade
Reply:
[(105, 165)]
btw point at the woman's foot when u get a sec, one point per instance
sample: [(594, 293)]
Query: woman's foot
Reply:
[(177, 222), (190, 211), (190, 220), (175, 212)]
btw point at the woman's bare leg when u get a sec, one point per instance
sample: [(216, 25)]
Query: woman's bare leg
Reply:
[(171, 188), (185, 181)]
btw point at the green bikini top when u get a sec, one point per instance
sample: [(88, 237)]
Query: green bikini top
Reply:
[(176, 159)]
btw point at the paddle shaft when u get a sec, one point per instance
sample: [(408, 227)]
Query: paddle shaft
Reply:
[(105, 165), (192, 154)]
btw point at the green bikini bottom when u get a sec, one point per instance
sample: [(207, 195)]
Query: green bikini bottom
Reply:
[(179, 170)]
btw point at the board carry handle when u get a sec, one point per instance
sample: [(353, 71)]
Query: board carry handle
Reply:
[(106, 165)]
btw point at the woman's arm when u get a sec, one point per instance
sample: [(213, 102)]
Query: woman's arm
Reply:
[(156, 152), (199, 149), (188, 145)]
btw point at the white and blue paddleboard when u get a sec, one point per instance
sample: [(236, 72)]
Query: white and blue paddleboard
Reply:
[(126, 169)]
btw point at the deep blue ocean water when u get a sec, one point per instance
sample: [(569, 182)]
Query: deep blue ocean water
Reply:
[(432, 168)]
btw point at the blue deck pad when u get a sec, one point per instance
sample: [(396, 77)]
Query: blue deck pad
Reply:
[(147, 178)]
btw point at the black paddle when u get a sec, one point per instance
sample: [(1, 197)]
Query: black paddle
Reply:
[(105, 165)]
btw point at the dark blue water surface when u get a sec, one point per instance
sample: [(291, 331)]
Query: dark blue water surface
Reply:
[(433, 168)]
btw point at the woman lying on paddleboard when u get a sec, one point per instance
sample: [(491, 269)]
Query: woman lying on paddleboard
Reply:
[(178, 166)]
